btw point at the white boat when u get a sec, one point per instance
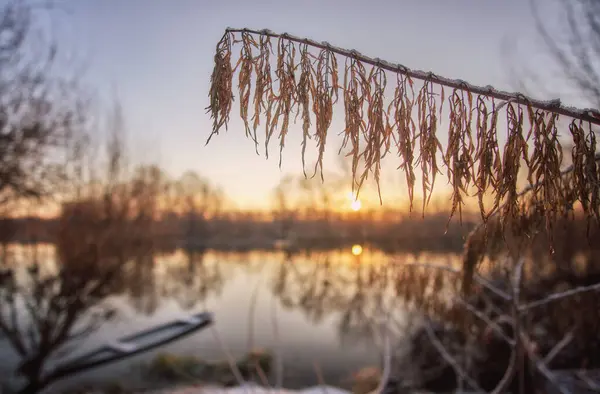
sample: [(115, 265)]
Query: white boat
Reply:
[(134, 344)]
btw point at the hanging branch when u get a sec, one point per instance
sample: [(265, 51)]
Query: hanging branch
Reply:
[(305, 80)]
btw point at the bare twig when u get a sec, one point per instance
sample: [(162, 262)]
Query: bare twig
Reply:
[(262, 375), (519, 347), (449, 358), (517, 310), (481, 280), (559, 296), (387, 357), (543, 369), (320, 379), (493, 325), (590, 382), (516, 354), (278, 347), (252, 310), (588, 114), (558, 347), (230, 360)]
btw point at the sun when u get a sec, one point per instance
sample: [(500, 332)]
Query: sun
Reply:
[(357, 250), (355, 203)]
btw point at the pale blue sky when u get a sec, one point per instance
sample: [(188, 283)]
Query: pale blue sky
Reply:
[(158, 55)]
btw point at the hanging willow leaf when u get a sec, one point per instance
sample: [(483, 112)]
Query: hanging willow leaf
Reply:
[(220, 94), (264, 85), (306, 73)]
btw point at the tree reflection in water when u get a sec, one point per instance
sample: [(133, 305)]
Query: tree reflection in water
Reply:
[(358, 290), (190, 277), (349, 293), (140, 283)]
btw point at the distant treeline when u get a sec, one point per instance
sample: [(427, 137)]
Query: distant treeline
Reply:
[(244, 231)]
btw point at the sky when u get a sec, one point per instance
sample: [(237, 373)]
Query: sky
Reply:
[(156, 57)]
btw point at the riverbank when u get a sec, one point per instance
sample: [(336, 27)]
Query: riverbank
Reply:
[(169, 373)]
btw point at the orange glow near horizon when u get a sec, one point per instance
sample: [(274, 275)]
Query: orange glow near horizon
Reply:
[(341, 201), (355, 203)]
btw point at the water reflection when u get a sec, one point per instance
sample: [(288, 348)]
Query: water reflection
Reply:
[(191, 276), (335, 294), (356, 288), (356, 282)]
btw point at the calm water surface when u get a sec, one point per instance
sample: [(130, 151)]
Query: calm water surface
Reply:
[(318, 308)]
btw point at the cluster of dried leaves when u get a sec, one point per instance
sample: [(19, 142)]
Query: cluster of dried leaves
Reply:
[(306, 82)]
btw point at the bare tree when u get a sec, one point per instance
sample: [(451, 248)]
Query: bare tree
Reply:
[(575, 46), (45, 155), (195, 200), (44, 313), (40, 112)]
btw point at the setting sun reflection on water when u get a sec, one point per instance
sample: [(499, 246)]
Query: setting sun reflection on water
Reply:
[(357, 250)]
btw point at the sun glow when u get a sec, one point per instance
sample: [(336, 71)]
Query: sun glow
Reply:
[(357, 250), (355, 203)]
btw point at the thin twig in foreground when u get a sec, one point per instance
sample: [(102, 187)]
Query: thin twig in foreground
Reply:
[(481, 280), (278, 355), (559, 347), (448, 357), (543, 369), (516, 353), (387, 358), (230, 360), (252, 310), (486, 319), (591, 383), (261, 374), (320, 377), (559, 296)]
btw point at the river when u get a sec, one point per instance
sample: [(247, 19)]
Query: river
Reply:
[(316, 310)]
